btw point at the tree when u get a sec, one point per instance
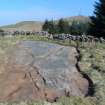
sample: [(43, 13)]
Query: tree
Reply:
[(97, 25), (50, 27), (66, 27), (1, 32), (45, 26), (73, 28), (63, 26), (79, 27)]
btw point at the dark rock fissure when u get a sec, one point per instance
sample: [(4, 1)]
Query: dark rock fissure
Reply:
[(91, 84), (36, 69), (34, 83)]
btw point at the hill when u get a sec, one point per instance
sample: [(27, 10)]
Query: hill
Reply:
[(83, 19), (78, 18), (24, 26), (37, 25)]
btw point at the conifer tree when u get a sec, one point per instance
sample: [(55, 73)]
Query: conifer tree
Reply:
[(45, 26), (63, 26), (97, 25)]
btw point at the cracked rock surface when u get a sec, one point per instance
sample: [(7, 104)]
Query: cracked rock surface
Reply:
[(38, 70)]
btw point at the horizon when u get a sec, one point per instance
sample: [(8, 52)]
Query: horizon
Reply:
[(17, 22), (15, 11)]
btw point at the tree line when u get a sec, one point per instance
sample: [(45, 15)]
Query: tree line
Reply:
[(95, 27), (62, 26)]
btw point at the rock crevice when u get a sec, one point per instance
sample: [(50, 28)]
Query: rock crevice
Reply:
[(91, 84)]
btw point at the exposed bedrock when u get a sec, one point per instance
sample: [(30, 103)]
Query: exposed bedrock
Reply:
[(39, 70)]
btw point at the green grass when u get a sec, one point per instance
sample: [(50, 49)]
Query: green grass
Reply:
[(62, 101), (92, 63)]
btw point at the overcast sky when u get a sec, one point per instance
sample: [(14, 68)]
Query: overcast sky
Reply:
[(12, 11)]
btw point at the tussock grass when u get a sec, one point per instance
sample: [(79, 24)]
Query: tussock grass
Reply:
[(93, 64)]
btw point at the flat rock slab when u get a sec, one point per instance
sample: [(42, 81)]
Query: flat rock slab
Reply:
[(40, 70)]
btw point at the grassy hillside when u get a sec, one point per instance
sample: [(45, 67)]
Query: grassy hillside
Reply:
[(25, 25), (78, 18)]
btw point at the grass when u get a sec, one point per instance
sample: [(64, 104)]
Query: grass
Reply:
[(92, 63), (62, 101)]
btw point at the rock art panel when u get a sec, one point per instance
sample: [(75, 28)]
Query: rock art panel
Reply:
[(38, 70)]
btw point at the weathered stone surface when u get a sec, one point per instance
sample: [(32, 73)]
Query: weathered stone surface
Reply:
[(39, 70)]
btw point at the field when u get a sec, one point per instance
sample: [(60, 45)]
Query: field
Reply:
[(91, 62)]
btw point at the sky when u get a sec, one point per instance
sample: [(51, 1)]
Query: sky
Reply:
[(13, 11)]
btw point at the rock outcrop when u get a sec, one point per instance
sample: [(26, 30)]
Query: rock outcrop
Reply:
[(40, 70)]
